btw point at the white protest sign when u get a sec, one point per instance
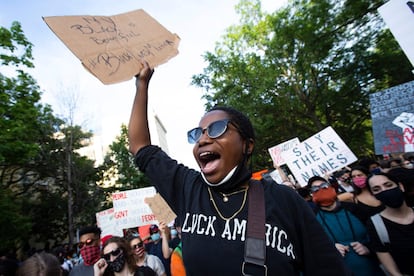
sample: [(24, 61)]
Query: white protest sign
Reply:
[(399, 17), (130, 210), (322, 153), (106, 221), (276, 151)]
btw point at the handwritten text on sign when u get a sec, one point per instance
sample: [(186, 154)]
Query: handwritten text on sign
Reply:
[(106, 221), (110, 47), (276, 151), (392, 113), (322, 153), (130, 208)]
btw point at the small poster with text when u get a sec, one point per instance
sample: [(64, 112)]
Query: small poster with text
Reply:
[(130, 209)]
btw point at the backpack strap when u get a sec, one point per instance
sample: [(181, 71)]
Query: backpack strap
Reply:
[(255, 244), (380, 228)]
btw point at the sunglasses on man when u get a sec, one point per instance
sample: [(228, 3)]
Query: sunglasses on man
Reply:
[(214, 130), (88, 242), (324, 185)]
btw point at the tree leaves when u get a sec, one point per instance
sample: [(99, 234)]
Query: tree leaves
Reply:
[(309, 65)]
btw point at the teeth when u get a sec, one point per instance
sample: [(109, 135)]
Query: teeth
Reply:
[(205, 153)]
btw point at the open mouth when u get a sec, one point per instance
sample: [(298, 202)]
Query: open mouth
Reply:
[(208, 161)]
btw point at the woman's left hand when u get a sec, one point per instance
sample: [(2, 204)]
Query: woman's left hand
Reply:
[(359, 248)]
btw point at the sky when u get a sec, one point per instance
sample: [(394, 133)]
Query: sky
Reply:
[(103, 108)]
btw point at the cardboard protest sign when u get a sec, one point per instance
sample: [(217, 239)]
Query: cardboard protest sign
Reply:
[(320, 154), (392, 114), (106, 221), (110, 47), (130, 208), (276, 151), (160, 208), (399, 17)]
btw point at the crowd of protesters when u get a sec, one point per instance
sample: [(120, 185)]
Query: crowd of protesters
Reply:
[(343, 202), (359, 220), (82, 259), (346, 201)]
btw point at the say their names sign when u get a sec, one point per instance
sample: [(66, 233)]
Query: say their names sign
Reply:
[(111, 47), (130, 209), (320, 154)]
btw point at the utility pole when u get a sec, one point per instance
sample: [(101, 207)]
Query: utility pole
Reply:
[(69, 180)]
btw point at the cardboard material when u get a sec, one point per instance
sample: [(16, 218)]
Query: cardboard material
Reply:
[(110, 47), (160, 208)]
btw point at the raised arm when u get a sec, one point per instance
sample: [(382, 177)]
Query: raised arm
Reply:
[(138, 131)]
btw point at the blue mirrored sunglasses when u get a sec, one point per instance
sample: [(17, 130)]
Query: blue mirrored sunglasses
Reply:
[(214, 130), (324, 185)]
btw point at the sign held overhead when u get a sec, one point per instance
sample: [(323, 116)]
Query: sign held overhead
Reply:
[(110, 47)]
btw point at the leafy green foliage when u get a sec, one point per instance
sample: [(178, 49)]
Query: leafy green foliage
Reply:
[(34, 160), (309, 65), (15, 225)]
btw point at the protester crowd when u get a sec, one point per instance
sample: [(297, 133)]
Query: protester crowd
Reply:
[(344, 203), (358, 220), (360, 205)]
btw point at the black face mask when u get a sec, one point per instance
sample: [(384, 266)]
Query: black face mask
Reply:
[(118, 264), (240, 176), (393, 198)]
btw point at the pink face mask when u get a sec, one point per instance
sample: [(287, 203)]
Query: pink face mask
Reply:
[(360, 181)]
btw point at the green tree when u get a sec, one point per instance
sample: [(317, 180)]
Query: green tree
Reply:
[(25, 125), (76, 177), (309, 65), (118, 172), (34, 159)]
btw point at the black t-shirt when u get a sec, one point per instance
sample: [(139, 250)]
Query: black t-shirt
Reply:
[(401, 246), (295, 241), (174, 242), (144, 271)]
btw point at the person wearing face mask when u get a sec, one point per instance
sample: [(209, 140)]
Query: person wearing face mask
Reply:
[(342, 221), (169, 238), (406, 177), (344, 187), (90, 250), (362, 197), (155, 246), (143, 259), (118, 260), (397, 254), (372, 165), (212, 202), (172, 249)]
